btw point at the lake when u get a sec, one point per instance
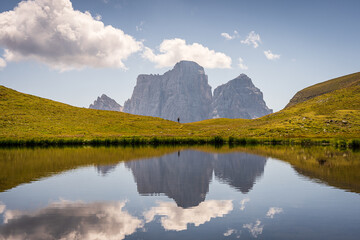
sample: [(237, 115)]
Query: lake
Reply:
[(264, 192)]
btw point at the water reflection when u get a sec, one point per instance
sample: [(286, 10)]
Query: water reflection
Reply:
[(71, 220), (283, 205), (185, 177), (104, 170), (177, 218), (239, 170)]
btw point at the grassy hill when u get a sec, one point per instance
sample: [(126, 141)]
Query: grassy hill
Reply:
[(334, 114), (325, 87)]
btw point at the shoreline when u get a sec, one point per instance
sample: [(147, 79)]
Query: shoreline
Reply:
[(179, 141)]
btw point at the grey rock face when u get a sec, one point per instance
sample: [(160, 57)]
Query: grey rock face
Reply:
[(182, 92), (239, 98), (106, 103)]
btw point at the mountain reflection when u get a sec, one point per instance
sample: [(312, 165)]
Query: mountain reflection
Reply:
[(104, 170), (186, 177)]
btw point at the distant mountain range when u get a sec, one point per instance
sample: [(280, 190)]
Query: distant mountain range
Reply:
[(184, 93)]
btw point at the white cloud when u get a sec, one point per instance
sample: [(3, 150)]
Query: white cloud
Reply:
[(271, 56), (177, 218), (273, 211), (242, 203), (71, 220), (252, 39), (52, 32), (255, 229), (242, 65), (175, 50), (2, 63), (227, 36)]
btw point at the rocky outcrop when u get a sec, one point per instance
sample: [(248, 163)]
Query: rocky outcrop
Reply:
[(239, 98), (106, 103), (182, 92)]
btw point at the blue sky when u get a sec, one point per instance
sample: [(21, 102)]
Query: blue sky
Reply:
[(309, 42)]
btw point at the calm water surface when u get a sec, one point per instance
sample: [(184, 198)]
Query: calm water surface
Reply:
[(179, 193)]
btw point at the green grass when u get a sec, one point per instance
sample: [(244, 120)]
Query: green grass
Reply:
[(325, 87), (31, 120)]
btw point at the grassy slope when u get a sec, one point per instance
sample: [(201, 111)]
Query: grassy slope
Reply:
[(25, 116), (332, 115), (324, 87)]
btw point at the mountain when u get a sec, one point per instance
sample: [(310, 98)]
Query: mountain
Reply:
[(239, 98), (325, 87), (106, 103), (182, 92)]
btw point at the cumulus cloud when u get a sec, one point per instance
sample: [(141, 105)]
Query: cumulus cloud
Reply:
[(242, 65), (2, 63), (227, 36), (177, 218), (52, 32), (242, 203), (271, 56), (255, 229), (273, 211), (71, 220), (175, 50), (252, 39)]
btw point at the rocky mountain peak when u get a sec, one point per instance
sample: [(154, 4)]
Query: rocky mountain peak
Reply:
[(106, 103), (239, 98), (182, 92)]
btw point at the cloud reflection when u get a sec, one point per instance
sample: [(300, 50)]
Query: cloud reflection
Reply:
[(273, 211), (242, 203), (71, 220), (255, 229), (177, 218)]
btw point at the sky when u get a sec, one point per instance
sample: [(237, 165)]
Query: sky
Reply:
[(72, 51)]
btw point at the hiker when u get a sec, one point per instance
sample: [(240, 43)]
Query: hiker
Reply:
[(178, 120)]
